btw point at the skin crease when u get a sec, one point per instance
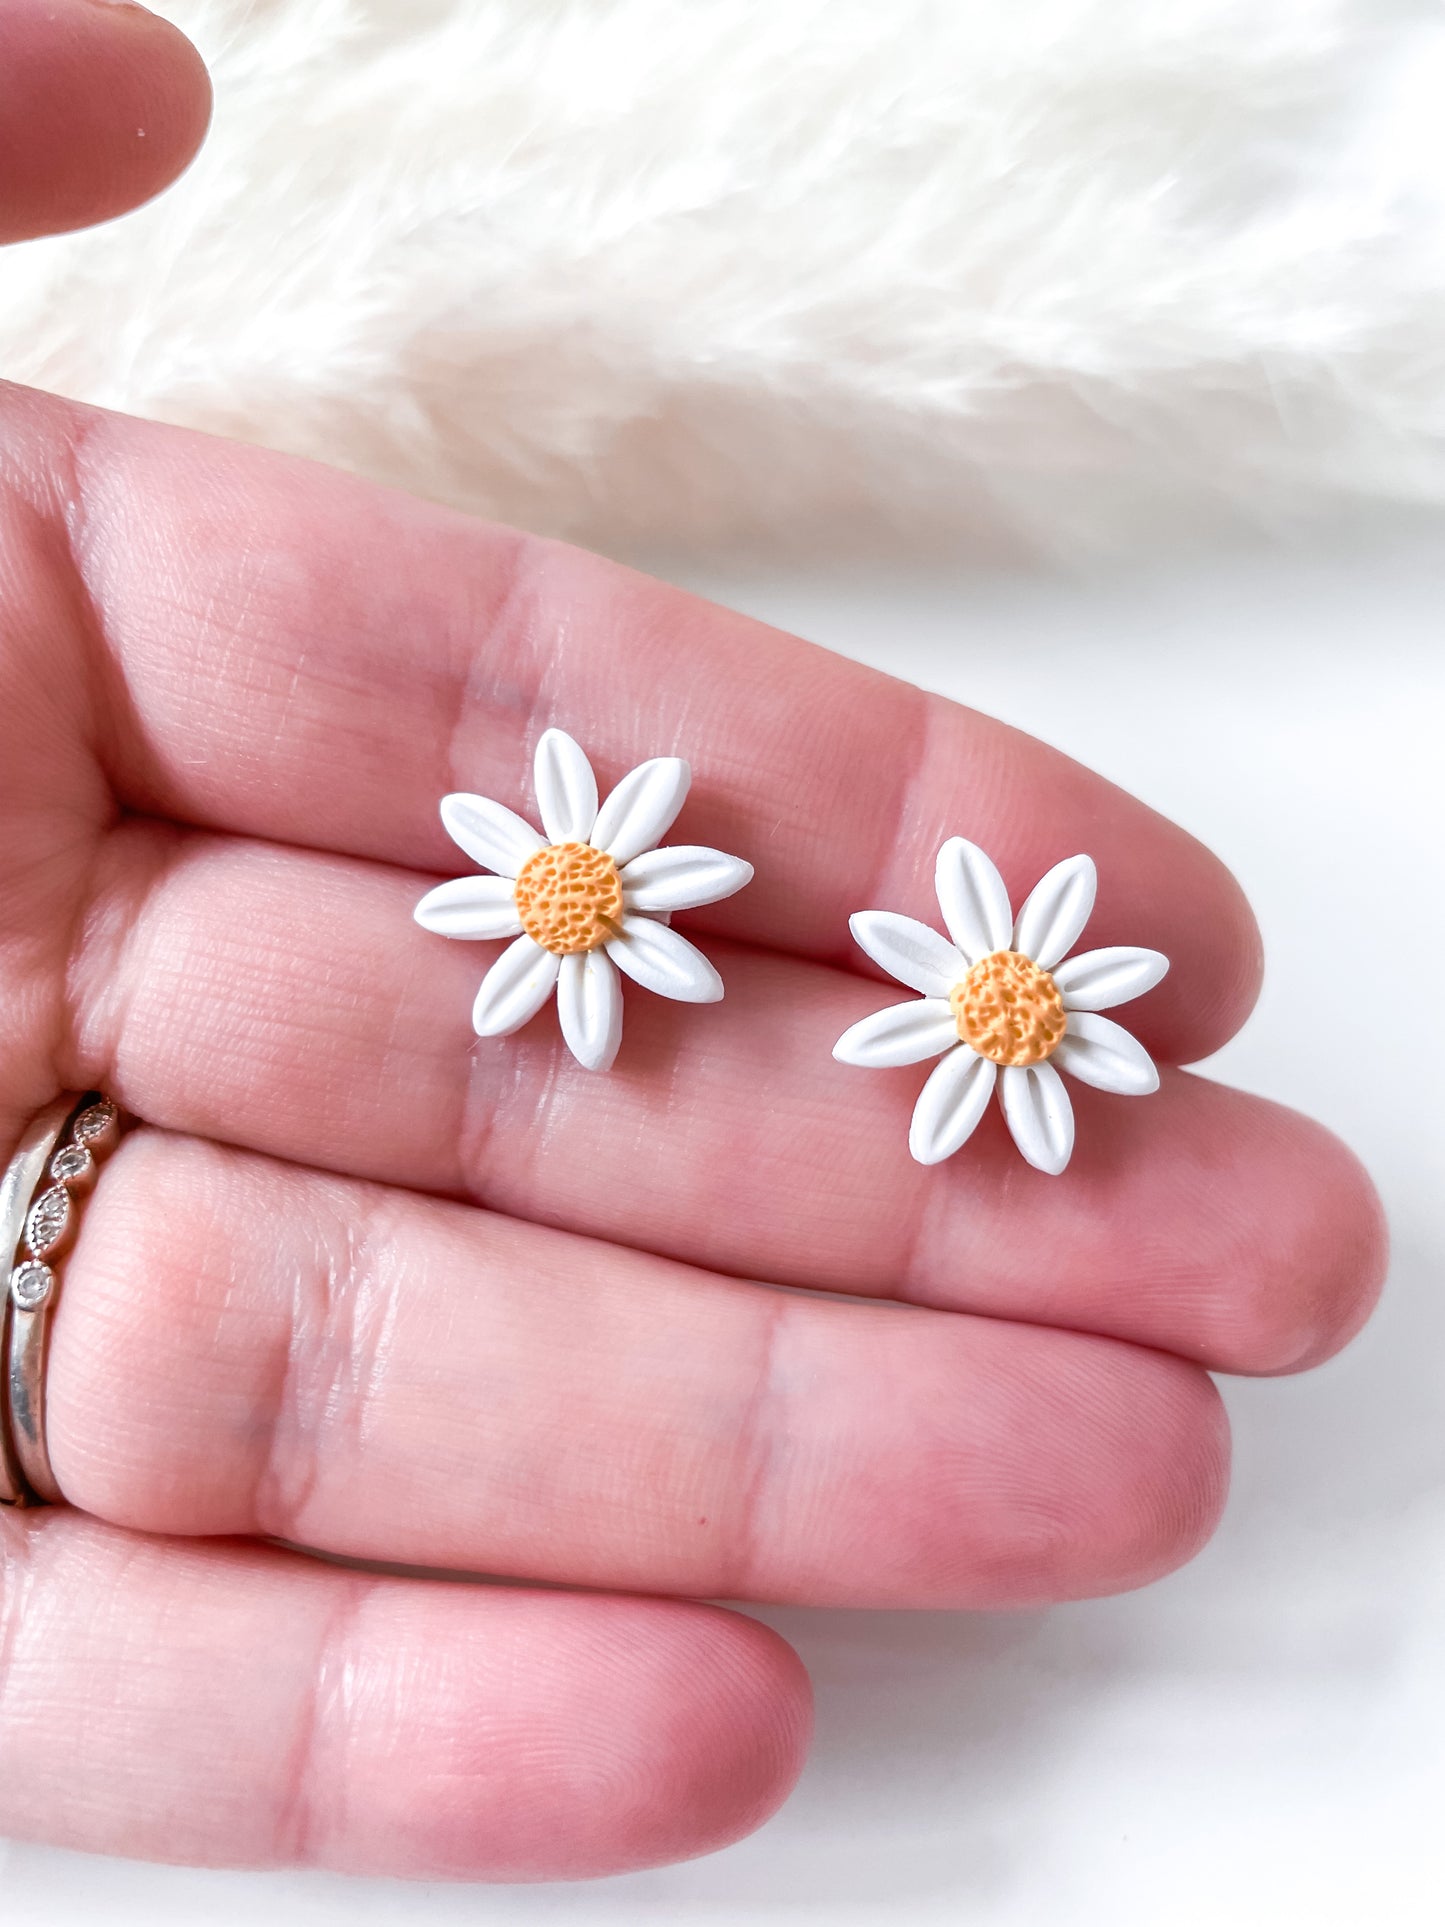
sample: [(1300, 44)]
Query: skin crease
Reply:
[(232, 690), (591, 1415)]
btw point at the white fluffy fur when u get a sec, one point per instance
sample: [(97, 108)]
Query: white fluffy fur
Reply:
[(645, 272)]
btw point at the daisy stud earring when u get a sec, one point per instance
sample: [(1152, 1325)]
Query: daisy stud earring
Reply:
[(590, 898), (1003, 1006)]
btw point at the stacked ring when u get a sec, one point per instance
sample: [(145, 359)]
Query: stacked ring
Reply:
[(41, 1192)]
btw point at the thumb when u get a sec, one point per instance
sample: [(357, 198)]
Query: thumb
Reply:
[(101, 106)]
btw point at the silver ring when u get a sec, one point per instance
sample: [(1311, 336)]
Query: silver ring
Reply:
[(53, 1168)]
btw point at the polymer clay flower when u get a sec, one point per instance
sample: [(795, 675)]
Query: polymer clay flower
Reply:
[(1004, 1006), (589, 899)]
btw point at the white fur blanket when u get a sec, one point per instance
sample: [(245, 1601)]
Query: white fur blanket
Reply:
[(1050, 273)]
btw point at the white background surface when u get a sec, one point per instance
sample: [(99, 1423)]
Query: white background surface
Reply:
[(1261, 1738)]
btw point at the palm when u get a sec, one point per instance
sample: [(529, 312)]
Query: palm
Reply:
[(370, 1286)]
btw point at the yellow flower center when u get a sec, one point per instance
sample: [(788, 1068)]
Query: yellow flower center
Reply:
[(569, 898), (1008, 1009)]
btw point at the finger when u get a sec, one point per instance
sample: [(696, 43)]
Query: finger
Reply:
[(242, 989), (101, 106), (249, 1347), (222, 1706), (311, 659)]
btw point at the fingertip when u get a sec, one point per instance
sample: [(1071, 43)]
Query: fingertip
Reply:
[(1313, 1271), (1173, 895), (1177, 1512), (1237, 951), (102, 104), (638, 1733), (1228, 961), (1162, 1473), (746, 1742), (1108, 1468)]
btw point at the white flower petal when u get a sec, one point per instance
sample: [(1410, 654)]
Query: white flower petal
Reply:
[(589, 1007), (1099, 979), (489, 832), (682, 877), (973, 899), (514, 989), (1056, 910), (566, 788), (642, 809), (901, 1034), (1039, 1115), (473, 907), (659, 959), (909, 950), (950, 1105), (1098, 1051)]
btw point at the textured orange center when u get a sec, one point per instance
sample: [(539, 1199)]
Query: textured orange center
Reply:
[(569, 897), (1008, 1009)]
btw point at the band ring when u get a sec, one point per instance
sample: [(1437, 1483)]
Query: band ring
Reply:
[(53, 1168)]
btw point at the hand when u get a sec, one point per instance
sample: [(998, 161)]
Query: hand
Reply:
[(364, 1285)]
